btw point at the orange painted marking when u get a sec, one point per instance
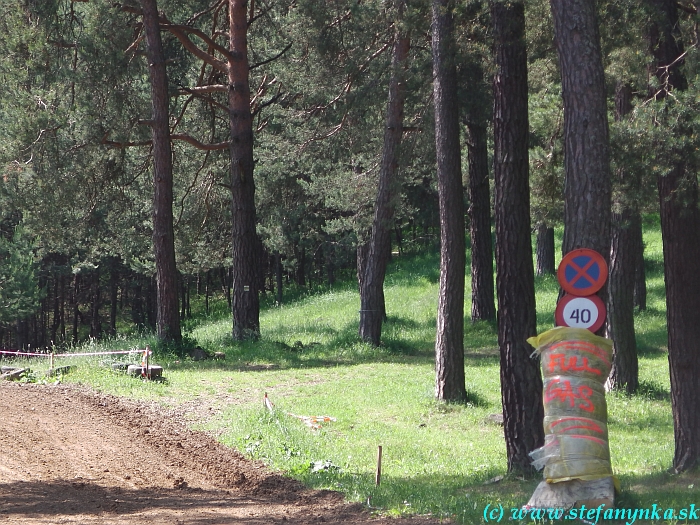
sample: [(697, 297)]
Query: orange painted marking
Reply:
[(587, 424)]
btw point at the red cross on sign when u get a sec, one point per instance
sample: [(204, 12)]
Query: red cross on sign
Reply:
[(582, 272)]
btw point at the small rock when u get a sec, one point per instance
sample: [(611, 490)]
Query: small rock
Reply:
[(494, 480), (180, 483), (496, 419), (198, 354)]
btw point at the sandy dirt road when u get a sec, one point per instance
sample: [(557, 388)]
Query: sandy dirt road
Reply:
[(70, 455)]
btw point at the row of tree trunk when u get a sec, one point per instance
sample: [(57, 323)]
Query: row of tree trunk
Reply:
[(587, 208)]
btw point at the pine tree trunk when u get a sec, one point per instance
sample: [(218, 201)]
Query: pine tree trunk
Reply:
[(95, 324), (449, 343), (640, 276), (56, 309), (372, 305), (62, 326), (152, 301), (188, 310), (483, 305), (521, 382), (183, 294), (362, 251), (680, 230), (278, 277), (623, 257), (75, 305), (207, 282), (586, 156), (545, 250), (168, 316), (113, 295), (246, 301), (587, 186), (300, 274), (21, 333), (137, 315), (620, 319), (330, 263)]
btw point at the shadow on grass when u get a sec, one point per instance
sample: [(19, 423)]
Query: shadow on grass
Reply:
[(342, 346), (652, 390), (666, 489), (461, 497), (464, 498)]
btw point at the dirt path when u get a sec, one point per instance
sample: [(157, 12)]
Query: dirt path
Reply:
[(70, 455)]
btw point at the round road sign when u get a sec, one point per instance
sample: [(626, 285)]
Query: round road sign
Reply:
[(582, 272), (580, 312)]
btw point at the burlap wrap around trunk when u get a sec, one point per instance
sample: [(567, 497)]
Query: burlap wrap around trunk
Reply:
[(575, 366)]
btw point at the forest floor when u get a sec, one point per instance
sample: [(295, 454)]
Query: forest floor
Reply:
[(71, 455)]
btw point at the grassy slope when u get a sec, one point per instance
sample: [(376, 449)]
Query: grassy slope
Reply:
[(436, 456)]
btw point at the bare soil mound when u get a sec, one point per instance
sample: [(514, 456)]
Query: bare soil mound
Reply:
[(71, 455)]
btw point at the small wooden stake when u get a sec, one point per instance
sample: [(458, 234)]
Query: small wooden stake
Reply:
[(378, 478)]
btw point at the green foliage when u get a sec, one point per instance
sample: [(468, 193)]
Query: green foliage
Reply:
[(19, 289)]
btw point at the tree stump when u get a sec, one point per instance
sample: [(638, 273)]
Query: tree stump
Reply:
[(153, 372), (121, 367), (51, 372)]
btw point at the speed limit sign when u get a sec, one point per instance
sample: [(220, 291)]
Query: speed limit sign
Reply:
[(580, 312)]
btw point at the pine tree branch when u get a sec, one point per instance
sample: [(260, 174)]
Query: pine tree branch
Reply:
[(259, 15), (207, 40), (289, 46), (199, 145), (210, 88), (687, 8), (180, 32), (198, 52), (176, 136), (199, 95), (122, 145), (268, 103), (208, 10)]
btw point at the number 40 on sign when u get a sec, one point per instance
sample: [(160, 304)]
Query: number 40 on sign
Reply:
[(581, 312)]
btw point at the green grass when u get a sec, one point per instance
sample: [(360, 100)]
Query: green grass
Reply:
[(437, 457)]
